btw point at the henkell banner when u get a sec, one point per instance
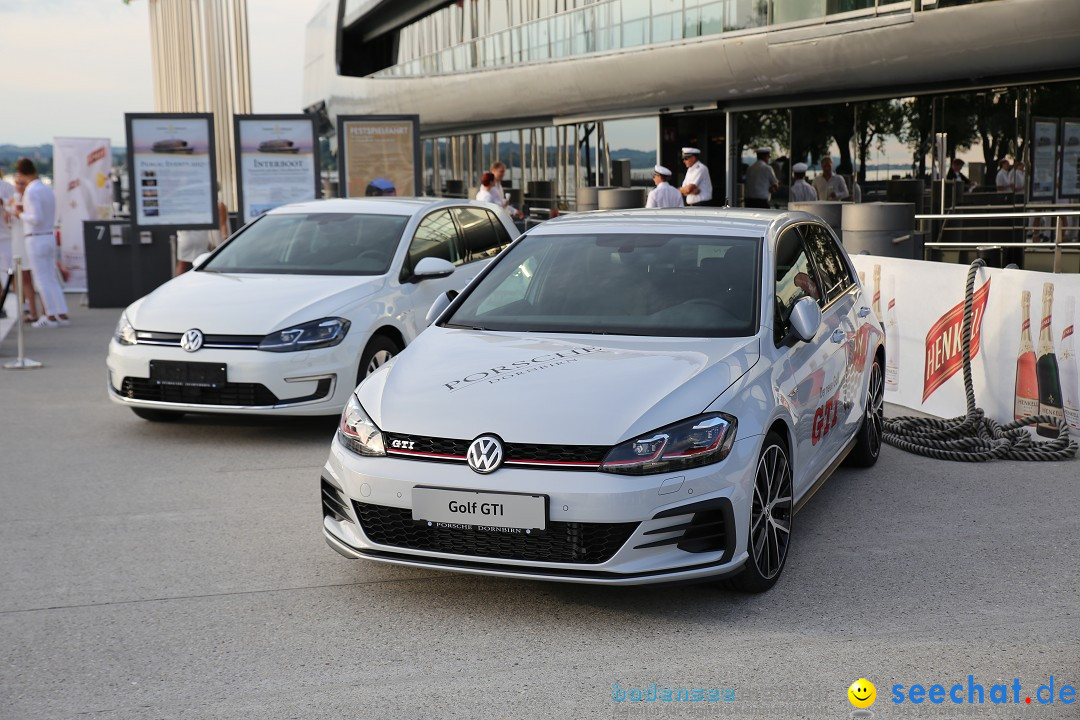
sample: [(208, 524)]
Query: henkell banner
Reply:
[(1023, 345), (82, 169)]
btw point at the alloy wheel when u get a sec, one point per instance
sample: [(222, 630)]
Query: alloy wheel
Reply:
[(379, 359), (770, 519), (875, 408)]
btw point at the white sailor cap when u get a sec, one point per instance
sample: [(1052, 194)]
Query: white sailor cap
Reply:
[(764, 151), (661, 170), (799, 167), (690, 151)]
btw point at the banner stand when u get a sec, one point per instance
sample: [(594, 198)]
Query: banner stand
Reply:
[(22, 362)]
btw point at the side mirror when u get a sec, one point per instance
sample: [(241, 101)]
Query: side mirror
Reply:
[(431, 267), (805, 319), (441, 303), (200, 261)]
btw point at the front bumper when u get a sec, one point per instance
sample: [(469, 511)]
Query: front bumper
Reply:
[(316, 382), (657, 509)]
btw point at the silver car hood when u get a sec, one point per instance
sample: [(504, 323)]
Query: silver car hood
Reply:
[(246, 304), (570, 389)]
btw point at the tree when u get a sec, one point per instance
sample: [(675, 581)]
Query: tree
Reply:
[(877, 120)]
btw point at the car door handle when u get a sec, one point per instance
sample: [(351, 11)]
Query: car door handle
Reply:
[(864, 311), (838, 336)]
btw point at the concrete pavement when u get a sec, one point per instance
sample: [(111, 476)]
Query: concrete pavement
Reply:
[(178, 571)]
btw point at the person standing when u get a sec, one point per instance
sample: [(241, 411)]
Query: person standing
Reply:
[(956, 173), (1019, 179), (38, 215), (761, 181), (498, 170), (1004, 179), (801, 191), (697, 185), (827, 185), (190, 244), (487, 191), (7, 219), (663, 195)]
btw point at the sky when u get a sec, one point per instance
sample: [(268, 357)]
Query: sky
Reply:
[(74, 67)]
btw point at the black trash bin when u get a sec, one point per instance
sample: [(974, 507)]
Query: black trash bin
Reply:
[(123, 264)]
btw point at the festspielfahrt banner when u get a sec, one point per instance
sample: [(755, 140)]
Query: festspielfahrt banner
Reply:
[(82, 168), (1023, 344)]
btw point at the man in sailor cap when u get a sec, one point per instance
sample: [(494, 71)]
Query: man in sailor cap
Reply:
[(663, 195), (697, 186), (801, 191)]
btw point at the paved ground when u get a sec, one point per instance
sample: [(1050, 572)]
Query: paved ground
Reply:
[(178, 571)]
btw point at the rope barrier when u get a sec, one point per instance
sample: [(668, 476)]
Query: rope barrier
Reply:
[(974, 437)]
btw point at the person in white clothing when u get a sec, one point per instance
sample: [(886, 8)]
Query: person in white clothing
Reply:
[(663, 195), (487, 192), (498, 169), (827, 185), (7, 218), (1019, 179), (697, 185), (800, 191), (1004, 179), (38, 215), (761, 181)]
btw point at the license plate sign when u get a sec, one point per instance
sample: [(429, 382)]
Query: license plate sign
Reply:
[(187, 374), (479, 510)]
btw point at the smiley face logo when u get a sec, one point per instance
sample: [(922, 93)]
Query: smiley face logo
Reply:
[(862, 693)]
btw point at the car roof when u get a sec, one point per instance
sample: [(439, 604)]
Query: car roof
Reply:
[(745, 222), (375, 205)]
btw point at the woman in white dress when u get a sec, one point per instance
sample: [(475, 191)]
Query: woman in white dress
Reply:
[(488, 191)]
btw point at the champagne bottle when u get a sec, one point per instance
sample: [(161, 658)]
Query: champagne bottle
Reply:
[(1026, 395), (1070, 372), (877, 293), (1046, 367), (892, 340)]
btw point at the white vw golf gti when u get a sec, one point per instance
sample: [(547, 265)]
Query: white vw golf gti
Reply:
[(619, 398), (299, 306)]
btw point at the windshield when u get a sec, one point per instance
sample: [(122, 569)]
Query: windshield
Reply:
[(622, 284), (312, 244)]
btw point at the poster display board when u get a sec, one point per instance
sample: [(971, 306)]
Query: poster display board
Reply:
[(171, 170), (1070, 158), (1043, 157), (378, 155), (82, 168), (277, 162), (1023, 344)]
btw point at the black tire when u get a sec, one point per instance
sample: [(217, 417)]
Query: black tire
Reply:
[(868, 440), (771, 513), (378, 351), (157, 415)]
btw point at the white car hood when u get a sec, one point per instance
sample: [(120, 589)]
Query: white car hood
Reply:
[(246, 304), (570, 389)]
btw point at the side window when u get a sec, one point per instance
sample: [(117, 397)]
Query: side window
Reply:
[(795, 278), (436, 236), (829, 260), (481, 239)]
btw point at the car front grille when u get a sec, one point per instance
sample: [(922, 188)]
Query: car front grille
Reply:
[(561, 542), (241, 394), (210, 342), (571, 457)]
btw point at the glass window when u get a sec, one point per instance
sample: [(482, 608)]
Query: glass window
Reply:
[(482, 239), (436, 236), (829, 260), (620, 284), (312, 244), (795, 278)]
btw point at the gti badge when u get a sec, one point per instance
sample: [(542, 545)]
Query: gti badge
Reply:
[(192, 340), (485, 454)]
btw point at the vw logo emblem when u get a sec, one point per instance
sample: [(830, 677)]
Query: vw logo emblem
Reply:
[(192, 340), (485, 454)]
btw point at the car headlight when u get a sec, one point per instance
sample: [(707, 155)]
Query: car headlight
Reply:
[(357, 431), (309, 336), (125, 331), (691, 443)]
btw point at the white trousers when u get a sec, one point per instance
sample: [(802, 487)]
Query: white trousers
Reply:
[(41, 250), (5, 258)]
